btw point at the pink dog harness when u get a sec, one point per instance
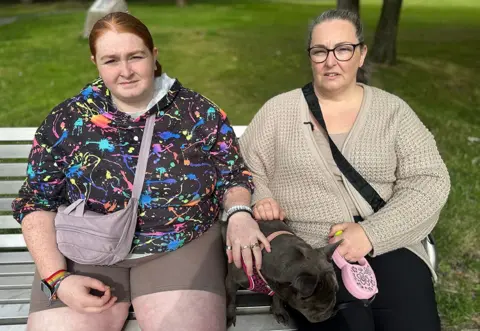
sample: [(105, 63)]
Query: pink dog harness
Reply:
[(258, 283)]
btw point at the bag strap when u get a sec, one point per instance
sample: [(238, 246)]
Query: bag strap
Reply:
[(360, 184), (143, 157)]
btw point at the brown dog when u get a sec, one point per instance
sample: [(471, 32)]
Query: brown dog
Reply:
[(300, 276)]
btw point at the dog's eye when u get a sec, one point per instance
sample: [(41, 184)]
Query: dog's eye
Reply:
[(320, 284)]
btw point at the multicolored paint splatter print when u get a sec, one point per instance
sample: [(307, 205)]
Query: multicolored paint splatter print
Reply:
[(87, 149)]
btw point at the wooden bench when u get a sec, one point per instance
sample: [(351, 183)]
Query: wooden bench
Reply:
[(17, 267)]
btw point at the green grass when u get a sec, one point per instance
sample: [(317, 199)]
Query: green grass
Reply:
[(240, 55), (41, 9)]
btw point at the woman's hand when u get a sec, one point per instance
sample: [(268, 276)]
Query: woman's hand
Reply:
[(268, 210), (243, 240), (74, 291), (355, 243)]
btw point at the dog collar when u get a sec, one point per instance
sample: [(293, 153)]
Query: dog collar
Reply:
[(258, 283)]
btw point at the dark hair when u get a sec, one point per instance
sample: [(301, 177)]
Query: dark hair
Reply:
[(346, 15), (122, 22)]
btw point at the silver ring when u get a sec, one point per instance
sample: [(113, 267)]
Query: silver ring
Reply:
[(255, 245), (245, 247), (229, 248)]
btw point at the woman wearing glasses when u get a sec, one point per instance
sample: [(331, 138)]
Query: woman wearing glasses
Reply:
[(298, 179)]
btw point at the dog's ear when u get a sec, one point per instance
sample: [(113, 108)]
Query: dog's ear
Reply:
[(305, 284), (329, 249)]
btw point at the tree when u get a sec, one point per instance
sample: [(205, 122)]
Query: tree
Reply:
[(181, 3), (352, 5), (384, 49)]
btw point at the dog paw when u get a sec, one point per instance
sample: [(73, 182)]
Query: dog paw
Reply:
[(231, 316), (281, 315)]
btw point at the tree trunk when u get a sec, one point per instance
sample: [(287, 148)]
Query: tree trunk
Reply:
[(384, 48), (181, 3), (352, 5)]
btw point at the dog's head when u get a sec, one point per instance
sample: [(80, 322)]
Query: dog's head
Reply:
[(308, 282)]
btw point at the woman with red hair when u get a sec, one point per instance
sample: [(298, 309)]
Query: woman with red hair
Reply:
[(87, 149)]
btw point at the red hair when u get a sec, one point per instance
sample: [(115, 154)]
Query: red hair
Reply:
[(123, 23)]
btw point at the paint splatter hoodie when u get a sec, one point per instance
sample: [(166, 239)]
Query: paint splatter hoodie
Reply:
[(87, 149)]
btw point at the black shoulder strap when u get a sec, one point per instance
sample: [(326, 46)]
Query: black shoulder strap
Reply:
[(360, 184)]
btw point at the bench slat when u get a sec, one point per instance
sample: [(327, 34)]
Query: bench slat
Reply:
[(19, 296), (16, 282), (17, 134), (12, 241), (14, 314), (22, 327), (6, 203), (239, 130), (10, 186), (13, 169), (8, 222), (16, 269), (15, 151), (259, 322), (8, 258)]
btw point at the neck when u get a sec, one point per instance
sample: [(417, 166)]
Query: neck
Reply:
[(134, 105), (347, 93)]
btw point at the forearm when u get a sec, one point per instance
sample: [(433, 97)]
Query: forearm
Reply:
[(236, 196), (420, 190), (262, 190), (406, 219), (39, 232)]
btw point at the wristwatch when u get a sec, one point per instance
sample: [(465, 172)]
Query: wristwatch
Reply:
[(46, 289), (236, 209)]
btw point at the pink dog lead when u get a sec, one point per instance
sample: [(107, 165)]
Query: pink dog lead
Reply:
[(359, 279)]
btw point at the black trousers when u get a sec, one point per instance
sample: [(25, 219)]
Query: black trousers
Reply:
[(405, 300)]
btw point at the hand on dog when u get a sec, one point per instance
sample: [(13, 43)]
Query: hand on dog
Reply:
[(355, 243), (268, 210), (243, 230)]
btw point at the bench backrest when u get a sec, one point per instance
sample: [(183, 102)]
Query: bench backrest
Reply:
[(15, 145)]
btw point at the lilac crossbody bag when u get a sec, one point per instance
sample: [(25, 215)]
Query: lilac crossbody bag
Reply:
[(87, 237)]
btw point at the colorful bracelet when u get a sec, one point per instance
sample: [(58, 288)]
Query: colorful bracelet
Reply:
[(53, 278), (56, 285)]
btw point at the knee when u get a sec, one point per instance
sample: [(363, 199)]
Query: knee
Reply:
[(66, 319), (181, 310), (115, 317)]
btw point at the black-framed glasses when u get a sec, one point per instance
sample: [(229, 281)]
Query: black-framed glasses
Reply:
[(343, 52)]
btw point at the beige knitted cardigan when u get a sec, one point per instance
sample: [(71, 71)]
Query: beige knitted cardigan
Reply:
[(387, 144)]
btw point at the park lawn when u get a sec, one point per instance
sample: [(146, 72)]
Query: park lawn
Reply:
[(240, 55)]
